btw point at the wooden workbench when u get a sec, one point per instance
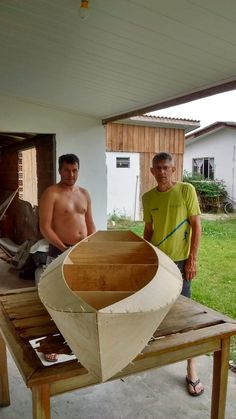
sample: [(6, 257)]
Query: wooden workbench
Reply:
[(190, 329)]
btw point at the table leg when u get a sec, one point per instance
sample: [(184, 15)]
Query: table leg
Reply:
[(41, 401), (219, 382), (4, 384)]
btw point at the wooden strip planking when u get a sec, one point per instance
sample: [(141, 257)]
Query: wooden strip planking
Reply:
[(25, 311), (25, 357), (190, 315), (167, 140), (190, 337), (141, 139), (32, 321), (25, 297), (156, 141), (152, 139), (162, 139), (30, 333), (135, 143), (119, 129), (181, 142), (172, 140), (125, 138), (108, 136)]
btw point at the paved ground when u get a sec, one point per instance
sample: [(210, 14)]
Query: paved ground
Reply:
[(156, 394)]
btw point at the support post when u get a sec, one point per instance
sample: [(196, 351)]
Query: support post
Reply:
[(4, 384), (219, 381), (41, 401)]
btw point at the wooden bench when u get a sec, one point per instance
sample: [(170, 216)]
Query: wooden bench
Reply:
[(190, 329)]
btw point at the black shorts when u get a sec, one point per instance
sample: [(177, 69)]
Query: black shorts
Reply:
[(53, 251)]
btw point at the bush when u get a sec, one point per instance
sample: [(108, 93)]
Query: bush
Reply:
[(211, 193)]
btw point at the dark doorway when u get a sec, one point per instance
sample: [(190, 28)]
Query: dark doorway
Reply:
[(39, 165)]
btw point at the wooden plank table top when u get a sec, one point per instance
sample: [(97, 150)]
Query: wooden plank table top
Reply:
[(190, 329)]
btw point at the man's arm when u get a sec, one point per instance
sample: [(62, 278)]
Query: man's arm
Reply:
[(46, 206), (89, 217), (148, 231), (190, 267)]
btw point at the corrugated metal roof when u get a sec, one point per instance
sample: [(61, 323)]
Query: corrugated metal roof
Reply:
[(209, 129), (162, 122)]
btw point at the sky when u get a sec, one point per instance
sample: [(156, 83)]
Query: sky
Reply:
[(220, 107)]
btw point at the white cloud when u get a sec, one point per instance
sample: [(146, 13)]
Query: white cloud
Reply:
[(221, 107)]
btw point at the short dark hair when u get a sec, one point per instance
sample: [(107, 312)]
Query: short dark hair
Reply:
[(68, 158), (162, 156)]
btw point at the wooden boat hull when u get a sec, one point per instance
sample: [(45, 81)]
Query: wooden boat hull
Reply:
[(107, 296)]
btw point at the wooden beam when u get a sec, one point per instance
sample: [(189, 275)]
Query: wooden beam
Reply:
[(178, 100), (4, 384)]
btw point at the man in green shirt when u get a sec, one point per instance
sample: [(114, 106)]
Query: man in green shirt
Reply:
[(172, 223)]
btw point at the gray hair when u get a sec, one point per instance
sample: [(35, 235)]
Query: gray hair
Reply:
[(162, 156)]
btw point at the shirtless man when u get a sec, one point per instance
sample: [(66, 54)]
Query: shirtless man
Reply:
[(65, 214)]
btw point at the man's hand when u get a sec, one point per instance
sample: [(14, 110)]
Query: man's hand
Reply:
[(190, 268)]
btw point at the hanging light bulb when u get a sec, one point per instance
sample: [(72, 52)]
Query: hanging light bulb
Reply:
[(84, 9)]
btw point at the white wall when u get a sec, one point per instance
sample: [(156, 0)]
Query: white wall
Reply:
[(123, 185), (77, 134), (222, 146)]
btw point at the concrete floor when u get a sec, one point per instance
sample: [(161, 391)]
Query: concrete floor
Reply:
[(155, 394)]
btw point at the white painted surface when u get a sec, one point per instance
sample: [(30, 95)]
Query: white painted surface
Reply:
[(77, 134), (126, 55), (123, 186), (222, 146)]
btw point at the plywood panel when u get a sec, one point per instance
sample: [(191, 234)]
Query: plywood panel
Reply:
[(108, 277)]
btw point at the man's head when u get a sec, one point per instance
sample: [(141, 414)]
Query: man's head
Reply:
[(163, 168), (68, 169), (68, 158)]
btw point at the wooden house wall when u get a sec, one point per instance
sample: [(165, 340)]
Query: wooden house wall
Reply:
[(147, 141)]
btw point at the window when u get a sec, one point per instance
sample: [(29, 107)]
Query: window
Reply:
[(204, 166), (122, 162)]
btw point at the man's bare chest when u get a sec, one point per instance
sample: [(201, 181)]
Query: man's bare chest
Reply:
[(70, 205)]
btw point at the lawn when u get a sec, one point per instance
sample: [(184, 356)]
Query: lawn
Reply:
[(215, 284)]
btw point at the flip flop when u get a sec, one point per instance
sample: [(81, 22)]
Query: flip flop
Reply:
[(51, 357), (194, 385)]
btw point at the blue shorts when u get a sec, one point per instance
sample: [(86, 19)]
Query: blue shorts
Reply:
[(186, 290)]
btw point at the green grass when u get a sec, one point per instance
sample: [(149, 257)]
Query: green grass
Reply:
[(215, 284)]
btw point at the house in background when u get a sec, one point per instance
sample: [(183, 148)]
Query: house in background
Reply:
[(130, 147), (211, 151)]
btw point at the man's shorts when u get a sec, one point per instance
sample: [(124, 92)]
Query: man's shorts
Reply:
[(53, 251), (186, 290)]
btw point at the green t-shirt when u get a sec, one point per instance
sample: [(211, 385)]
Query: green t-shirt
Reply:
[(169, 212)]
